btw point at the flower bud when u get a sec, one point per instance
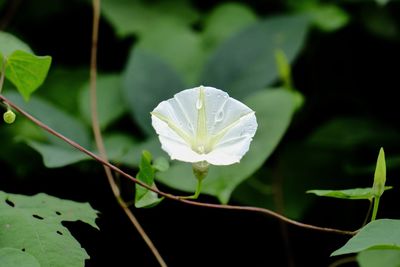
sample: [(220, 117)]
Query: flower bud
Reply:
[(380, 174), (9, 116)]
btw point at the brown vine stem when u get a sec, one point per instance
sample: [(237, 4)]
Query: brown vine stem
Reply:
[(280, 207), (167, 195), (10, 12), (343, 261), (99, 138)]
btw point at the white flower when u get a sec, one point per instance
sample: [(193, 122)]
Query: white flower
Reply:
[(204, 124)]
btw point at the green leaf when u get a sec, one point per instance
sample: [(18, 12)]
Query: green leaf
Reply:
[(378, 234), (132, 157), (274, 110), (345, 133), (379, 258), (2, 2), (328, 17), (110, 105), (11, 257), (55, 152), (382, 2), (55, 156), (26, 71), (306, 164), (34, 224), (9, 43), (54, 117), (245, 63), (167, 41), (356, 193), (381, 22), (148, 80), (380, 174), (145, 198), (140, 17), (118, 146), (64, 94), (224, 21)]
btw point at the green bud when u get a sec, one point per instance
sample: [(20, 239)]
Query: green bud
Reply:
[(298, 99), (200, 170), (9, 116), (380, 174), (283, 67)]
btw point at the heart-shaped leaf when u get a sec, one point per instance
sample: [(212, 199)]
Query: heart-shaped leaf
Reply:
[(378, 234)]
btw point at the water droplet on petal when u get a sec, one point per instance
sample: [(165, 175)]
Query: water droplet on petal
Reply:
[(199, 104), (220, 116)]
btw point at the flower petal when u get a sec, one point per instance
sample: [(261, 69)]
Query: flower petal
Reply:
[(184, 107), (232, 146), (222, 110), (173, 144)]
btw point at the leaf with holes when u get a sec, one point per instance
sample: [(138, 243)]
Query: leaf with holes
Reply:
[(32, 224), (12, 257)]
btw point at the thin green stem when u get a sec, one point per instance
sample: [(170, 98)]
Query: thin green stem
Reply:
[(368, 212), (375, 210), (198, 188), (197, 192)]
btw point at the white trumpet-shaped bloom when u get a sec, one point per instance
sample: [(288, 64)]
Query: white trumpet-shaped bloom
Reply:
[(204, 124)]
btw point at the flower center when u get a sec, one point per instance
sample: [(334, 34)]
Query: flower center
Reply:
[(200, 144)]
